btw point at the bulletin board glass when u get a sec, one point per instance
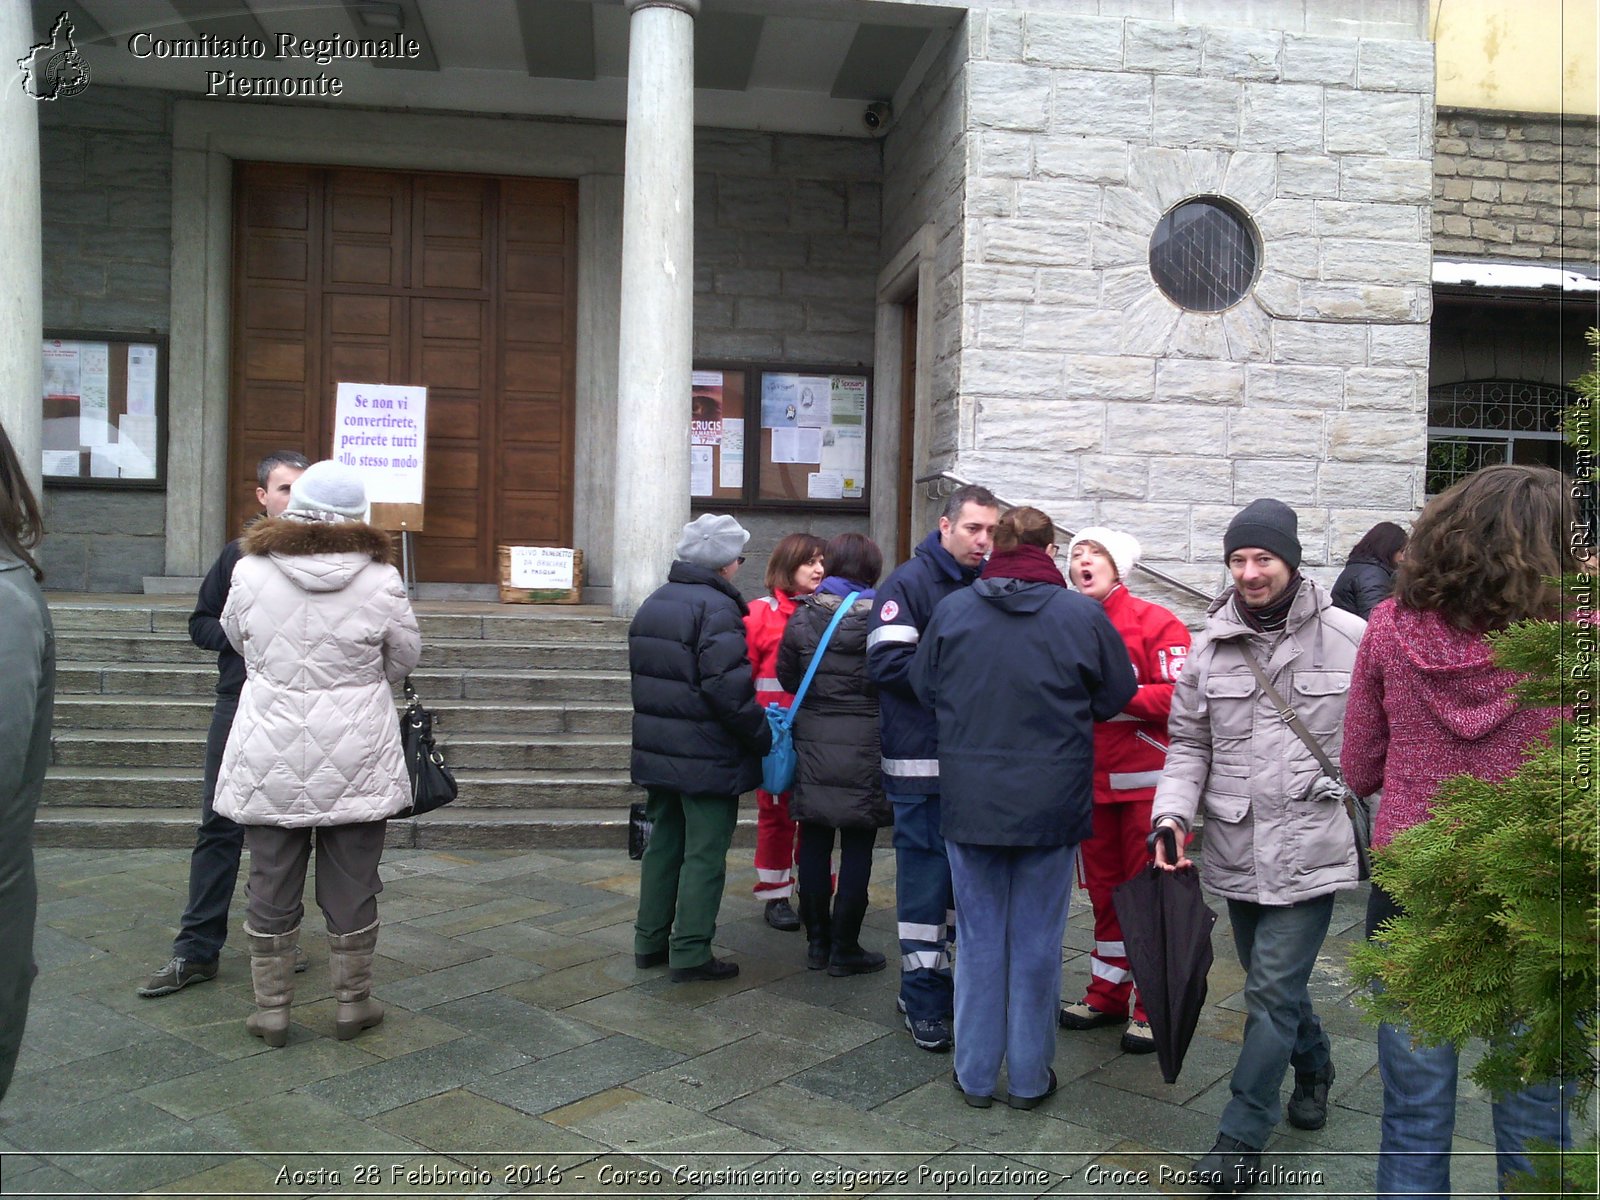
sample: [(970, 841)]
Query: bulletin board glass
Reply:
[(105, 409), (779, 436)]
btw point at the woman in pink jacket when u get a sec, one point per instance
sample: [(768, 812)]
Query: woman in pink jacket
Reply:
[(793, 571), (1427, 703)]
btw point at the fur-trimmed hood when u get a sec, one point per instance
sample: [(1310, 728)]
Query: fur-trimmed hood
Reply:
[(318, 556)]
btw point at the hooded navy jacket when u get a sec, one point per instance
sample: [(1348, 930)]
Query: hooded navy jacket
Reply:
[(1017, 674), (901, 612), (696, 726)]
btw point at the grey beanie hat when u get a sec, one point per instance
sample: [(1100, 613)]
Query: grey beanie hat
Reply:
[(328, 491), (1269, 525), (713, 541)]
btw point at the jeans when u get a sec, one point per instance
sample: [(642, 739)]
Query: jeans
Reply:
[(1277, 946), (214, 863), (681, 878), (1012, 902), (1419, 1107), (923, 905)]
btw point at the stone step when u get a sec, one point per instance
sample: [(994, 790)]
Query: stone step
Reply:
[(435, 685), (453, 826), (93, 712), (179, 788), (437, 654), (475, 750)]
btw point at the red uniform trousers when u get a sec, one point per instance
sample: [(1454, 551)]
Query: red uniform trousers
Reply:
[(775, 847), (1114, 854)]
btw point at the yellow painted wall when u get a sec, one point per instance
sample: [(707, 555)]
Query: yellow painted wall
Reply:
[(1517, 55)]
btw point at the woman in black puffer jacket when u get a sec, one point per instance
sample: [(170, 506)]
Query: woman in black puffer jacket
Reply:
[(1368, 576), (838, 783)]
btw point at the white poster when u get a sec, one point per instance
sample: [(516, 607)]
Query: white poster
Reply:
[(824, 485), (381, 431), (700, 470), (136, 438), (815, 402), (541, 567), (105, 462), (94, 420), (844, 448), (849, 399), (62, 462), (61, 368), (797, 446), (732, 452)]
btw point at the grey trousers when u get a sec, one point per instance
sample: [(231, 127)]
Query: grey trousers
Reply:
[(347, 875)]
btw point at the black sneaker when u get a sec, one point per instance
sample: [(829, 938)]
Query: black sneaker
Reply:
[(933, 1034), (177, 975), (780, 916), (1308, 1107), (1027, 1102), (650, 958), (709, 971), (1230, 1168), (973, 1100)]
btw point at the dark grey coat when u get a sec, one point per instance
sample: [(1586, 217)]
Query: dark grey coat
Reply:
[(838, 781), (1364, 584), (28, 666)]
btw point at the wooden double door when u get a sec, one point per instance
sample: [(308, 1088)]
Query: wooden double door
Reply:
[(464, 284)]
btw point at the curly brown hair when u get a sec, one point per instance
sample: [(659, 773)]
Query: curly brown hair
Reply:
[(1483, 553), (1023, 527), (21, 526), (790, 554)]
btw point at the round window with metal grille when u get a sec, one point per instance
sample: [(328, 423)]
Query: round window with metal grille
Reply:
[(1204, 254)]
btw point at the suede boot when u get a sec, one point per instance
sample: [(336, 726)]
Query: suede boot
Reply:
[(819, 928), (350, 969), (848, 958), (272, 976)]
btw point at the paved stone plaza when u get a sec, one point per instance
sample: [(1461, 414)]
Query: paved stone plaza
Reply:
[(520, 1038)]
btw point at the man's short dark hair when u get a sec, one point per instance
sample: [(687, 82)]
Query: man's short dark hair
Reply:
[(971, 493), (280, 458)]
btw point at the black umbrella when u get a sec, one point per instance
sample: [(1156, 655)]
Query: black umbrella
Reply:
[(1166, 933)]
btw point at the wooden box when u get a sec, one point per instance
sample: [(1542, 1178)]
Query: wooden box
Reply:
[(523, 595)]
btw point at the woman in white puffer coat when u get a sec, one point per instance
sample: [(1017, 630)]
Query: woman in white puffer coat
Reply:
[(325, 628)]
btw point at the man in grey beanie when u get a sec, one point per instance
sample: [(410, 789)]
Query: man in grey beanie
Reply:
[(1278, 839), (698, 738)]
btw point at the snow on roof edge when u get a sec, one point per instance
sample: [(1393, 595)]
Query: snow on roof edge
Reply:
[(1513, 276)]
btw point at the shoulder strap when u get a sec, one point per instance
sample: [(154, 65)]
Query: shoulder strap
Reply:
[(821, 646), (1287, 714)]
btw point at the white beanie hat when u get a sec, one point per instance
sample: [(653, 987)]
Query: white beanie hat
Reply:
[(328, 491), (712, 541), (1123, 548)]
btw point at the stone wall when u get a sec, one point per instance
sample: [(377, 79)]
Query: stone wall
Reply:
[(1084, 389), (1516, 186), (106, 169)]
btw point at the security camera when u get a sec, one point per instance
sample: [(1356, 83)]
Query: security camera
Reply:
[(876, 116)]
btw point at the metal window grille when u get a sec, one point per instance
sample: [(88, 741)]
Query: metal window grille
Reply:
[(1477, 424), (1204, 255)]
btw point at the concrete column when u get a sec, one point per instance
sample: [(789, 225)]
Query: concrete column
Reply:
[(21, 293), (655, 343)]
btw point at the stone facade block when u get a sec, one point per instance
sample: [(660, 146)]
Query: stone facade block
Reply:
[(1068, 286), (1325, 60), (1275, 433), (719, 343), (1319, 343), (1039, 242), (801, 157), (1373, 123), (1197, 112), (1003, 153), (1368, 485), (1372, 436), (1190, 480), (1008, 96), (1281, 117), (750, 203), (1294, 483), (1399, 345), (1385, 179), (1164, 429), (1386, 387), (1162, 529), (769, 314), (1107, 377), (1012, 373), (1242, 53), (1163, 48), (1395, 66), (1061, 426), (993, 281), (1065, 40), (1387, 222), (1200, 381), (1362, 301), (1101, 104), (819, 205), (1058, 200), (1047, 327), (1094, 160), (1103, 477)]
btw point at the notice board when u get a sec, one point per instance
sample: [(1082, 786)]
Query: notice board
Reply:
[(105, 409)]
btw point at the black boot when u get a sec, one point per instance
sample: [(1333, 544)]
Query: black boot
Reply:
[(1230, 1169), (1308, 1107), (819, 929), (780, 916), (848, 958)]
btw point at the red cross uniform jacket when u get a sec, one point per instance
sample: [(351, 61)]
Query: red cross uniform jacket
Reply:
[(1131, 748), (763, 630)]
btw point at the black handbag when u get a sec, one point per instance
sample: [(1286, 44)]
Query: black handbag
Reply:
[(639, 828), (432, 784)]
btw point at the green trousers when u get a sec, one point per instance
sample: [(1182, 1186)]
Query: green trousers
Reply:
[(681, 877)]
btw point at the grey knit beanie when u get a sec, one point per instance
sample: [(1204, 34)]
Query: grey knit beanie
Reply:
[(328, 491), (1269, 525), (713, 541)]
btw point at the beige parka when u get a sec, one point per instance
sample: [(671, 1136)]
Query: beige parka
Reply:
[(1232, 752), (324, 626)]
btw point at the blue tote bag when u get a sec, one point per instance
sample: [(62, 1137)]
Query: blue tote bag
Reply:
[(778, 766)]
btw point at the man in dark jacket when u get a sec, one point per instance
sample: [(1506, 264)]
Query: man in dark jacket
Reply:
[(698, 738), (947, 560), (214, 864)]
